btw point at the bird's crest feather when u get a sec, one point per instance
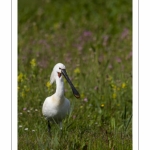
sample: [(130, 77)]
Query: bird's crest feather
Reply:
[(52, 77)]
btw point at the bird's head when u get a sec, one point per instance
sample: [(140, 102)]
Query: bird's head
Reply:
[(59, 70)]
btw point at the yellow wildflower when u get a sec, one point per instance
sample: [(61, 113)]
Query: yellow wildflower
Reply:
[(114, 95), (48, 85), (81, 107), (102, 105), (77, 71), (22, 94), (123, 85), (113, 86), (109, 78), (26, 88), (57, 26), (82, 95), (20, 77), (118, 89), (33, 63)]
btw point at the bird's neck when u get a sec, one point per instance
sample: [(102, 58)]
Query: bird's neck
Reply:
[(59, 88)]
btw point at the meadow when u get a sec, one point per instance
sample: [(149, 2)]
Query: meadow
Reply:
[(93, 39)]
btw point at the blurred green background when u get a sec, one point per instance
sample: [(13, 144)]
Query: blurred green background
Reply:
[(93, 39)]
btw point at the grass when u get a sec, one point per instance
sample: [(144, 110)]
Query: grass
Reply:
[(94, 41)]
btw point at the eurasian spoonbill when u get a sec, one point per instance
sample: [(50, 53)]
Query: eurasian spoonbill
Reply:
[(57, 106)]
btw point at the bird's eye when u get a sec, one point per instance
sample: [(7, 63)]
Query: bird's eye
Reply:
[(59, 68)]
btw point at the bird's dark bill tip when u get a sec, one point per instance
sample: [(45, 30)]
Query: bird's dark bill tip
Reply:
[(77, 96)]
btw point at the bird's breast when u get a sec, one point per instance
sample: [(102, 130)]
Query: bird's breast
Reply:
[(54, 107)]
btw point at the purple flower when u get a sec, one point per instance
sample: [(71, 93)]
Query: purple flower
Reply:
[(125, 33), (68, 57), (96, 88), (74, 117), (129, 55), (87, 33), (85, 100), (85, 37), (24, 108), (43, 63), (105, 40), (118, 60), (101, 58), (110, 66)]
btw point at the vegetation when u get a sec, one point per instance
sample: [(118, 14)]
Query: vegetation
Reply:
[(93, 39)]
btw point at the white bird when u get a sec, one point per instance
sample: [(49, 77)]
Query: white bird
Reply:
[(57, 106)]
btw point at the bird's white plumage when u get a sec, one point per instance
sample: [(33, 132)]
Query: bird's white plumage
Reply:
[(56, 107), (56, 69)]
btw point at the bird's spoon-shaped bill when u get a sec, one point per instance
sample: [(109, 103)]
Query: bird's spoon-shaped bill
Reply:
[(75, 92)]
